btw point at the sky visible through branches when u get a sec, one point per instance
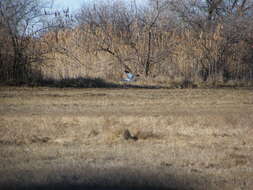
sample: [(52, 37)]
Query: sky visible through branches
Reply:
[(74, 5)]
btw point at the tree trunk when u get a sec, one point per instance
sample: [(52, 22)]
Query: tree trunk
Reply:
[(147, 65)]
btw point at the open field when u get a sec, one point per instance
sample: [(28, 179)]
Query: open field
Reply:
[(78, 138)]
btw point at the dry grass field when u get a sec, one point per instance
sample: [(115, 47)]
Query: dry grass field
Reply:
[(126, 138)]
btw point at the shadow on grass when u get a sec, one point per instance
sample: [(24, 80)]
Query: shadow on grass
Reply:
[(79, 83), (110, 179)]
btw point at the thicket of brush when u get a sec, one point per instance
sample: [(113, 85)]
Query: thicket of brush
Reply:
[(186, 42)]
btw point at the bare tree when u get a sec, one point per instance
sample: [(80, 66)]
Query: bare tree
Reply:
[(210, 20), (150, 19), (21, 24), (109, 26), (126, 33)]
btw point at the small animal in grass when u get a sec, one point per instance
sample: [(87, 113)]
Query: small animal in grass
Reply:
[(127, 135)]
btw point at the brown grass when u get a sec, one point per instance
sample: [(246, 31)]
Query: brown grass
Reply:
[(203, 58), (199, 139)]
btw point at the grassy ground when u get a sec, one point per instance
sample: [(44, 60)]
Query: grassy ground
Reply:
[(126, 138)]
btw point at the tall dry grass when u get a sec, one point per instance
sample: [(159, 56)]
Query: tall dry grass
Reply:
[(200, 57), (104, 43)]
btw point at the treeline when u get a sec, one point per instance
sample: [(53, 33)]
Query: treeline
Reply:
[(202, 42), (21, 24)]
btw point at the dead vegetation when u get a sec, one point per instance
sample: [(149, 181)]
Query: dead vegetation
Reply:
[(186, 43), (180, 138)]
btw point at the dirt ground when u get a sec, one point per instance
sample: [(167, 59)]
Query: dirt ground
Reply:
[(126, 138)]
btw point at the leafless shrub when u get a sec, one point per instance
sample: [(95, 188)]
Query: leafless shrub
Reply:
[(21, 25), (211, 46), (196, 41)]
